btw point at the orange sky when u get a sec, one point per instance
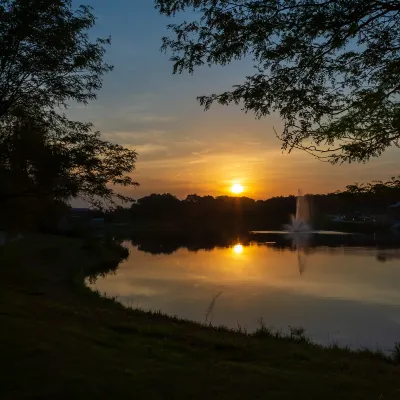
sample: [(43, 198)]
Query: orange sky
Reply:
[(215, 149), (183, 149), (206, 152)]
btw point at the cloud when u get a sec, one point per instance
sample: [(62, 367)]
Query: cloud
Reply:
[(205, 151), (151, 117), (127, 138), (197, 161), (149, 148), (129, 112)]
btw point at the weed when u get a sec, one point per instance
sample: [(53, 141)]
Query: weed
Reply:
[(263, 330), (242, 329), (210, 308), (396, 353), (297, 334)]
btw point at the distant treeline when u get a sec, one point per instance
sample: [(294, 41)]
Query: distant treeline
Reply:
[(241, 213)]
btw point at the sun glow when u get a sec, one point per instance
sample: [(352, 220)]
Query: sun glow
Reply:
[(238, 249), (237, 188)]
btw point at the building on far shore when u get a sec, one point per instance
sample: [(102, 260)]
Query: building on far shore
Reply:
[(394, 212), (80, 218), (394, 218)]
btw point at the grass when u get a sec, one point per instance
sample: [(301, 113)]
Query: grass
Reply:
[(60, 340), (210, 309), (396, 352)]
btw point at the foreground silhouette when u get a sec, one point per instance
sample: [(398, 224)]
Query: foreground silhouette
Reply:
[(327, 67)]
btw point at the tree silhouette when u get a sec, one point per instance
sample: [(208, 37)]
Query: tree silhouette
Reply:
[(46, 56), (331, 69), (61, 159), (47, 61), (238, 215)]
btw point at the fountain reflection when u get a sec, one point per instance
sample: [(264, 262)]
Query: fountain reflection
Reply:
[(300, 242), (299, 230), (303, 243)]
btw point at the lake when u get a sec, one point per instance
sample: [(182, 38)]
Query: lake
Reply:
[(349, 295)]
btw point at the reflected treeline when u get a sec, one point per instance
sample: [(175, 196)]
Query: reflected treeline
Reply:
[(109, 250), (384, 256), (168, 242)]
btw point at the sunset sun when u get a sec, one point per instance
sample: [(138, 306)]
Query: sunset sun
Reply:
[(237, 188), (238, 249)]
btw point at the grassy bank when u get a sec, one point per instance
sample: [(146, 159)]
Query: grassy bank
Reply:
[(60, 340)]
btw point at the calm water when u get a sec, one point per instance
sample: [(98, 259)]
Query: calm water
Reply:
[(346, 295)]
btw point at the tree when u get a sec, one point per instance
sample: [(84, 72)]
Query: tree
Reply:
[(161, 206), (46, 56), (47, 61), (60, 159), (330, 68)]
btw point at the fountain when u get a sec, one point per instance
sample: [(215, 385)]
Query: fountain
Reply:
[(299, 221), (299, 231)]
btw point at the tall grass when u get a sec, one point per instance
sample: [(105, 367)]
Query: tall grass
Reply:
[(396, 352), (210, 309), (263, 332), (294, 335)]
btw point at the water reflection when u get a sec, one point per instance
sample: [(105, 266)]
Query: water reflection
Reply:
[(387, 255), (300, 243), (345, 295), (164, 243)]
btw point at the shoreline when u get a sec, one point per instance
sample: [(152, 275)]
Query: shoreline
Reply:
[(295, 334), (88, 345)]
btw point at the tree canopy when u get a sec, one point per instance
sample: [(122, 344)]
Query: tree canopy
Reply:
[(204, 215), (46, 55), (61, 158), (47, 61), (330, 68)]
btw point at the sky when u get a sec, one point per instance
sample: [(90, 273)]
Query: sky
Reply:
[(183, 149)]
